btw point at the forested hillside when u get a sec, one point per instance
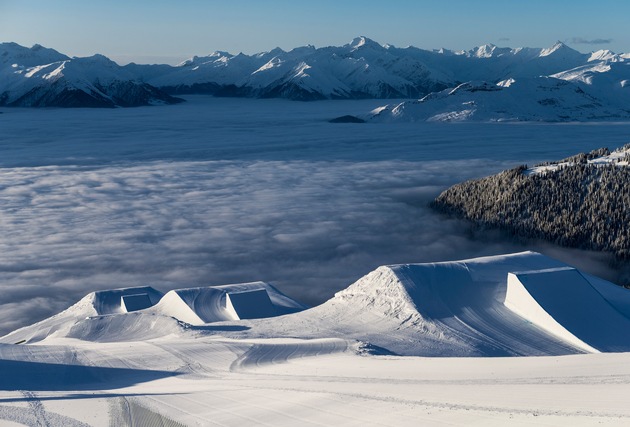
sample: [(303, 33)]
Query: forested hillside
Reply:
[(580, 202)]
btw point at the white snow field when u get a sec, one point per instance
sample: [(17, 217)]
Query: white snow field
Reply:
[(358, 359)]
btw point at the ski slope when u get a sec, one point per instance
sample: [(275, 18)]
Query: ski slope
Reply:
[(360, 358)]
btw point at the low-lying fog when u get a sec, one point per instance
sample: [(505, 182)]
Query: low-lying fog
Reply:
[(220, 191)]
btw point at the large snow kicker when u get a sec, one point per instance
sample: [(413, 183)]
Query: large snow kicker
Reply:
[(473, 308), (564, 303)]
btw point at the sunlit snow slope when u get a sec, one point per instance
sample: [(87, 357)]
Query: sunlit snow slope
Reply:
[(510, 305), (472, 308), (106, 315)]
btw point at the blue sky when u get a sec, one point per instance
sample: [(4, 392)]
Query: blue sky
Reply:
[(169, 31)]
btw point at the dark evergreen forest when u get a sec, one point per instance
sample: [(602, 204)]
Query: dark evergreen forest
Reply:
[(579, 205)]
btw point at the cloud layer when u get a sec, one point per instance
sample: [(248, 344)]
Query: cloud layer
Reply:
[(223, 191), (309, 227)]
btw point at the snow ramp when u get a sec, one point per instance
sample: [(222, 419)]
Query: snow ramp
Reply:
[(563, 302), (124, 300), (98, 303), (458, 309), (202, 305)]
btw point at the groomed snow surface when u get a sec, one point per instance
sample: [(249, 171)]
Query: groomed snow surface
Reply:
[(404, 345)]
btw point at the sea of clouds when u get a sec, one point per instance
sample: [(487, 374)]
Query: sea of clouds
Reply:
[(226, 191)]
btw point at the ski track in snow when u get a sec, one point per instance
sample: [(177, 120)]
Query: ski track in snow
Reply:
[(36, 415), (316, 382)]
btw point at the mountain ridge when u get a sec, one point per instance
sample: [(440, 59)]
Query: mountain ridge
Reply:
[(361, 69)]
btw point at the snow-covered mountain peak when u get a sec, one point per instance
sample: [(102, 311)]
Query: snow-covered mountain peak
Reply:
[(188, 62), (97, 59), (559, 48), (273, 52), (217, 57), (272, 63), (364, 42), (13, 53), (219, 54), (484, 51), (605, 55), (490, 50), (42, 77)]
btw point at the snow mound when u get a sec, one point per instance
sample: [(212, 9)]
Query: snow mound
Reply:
[(141, 313), (136, 326), (458, 309), (228, 302), (99, 303), (523, 304)]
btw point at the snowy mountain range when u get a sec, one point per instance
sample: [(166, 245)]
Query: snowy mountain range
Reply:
[(485, 83), (41, 77)]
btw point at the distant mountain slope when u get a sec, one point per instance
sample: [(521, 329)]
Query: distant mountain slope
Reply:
[(562, 97), (485, 83), (581, 202), (362, 68), (40, 77)]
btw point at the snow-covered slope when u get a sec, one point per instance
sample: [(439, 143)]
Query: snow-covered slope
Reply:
[(94, 304), (317, 367), (142, 313), (465, 308), (521, 304), (528, 99), (40, 77)]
